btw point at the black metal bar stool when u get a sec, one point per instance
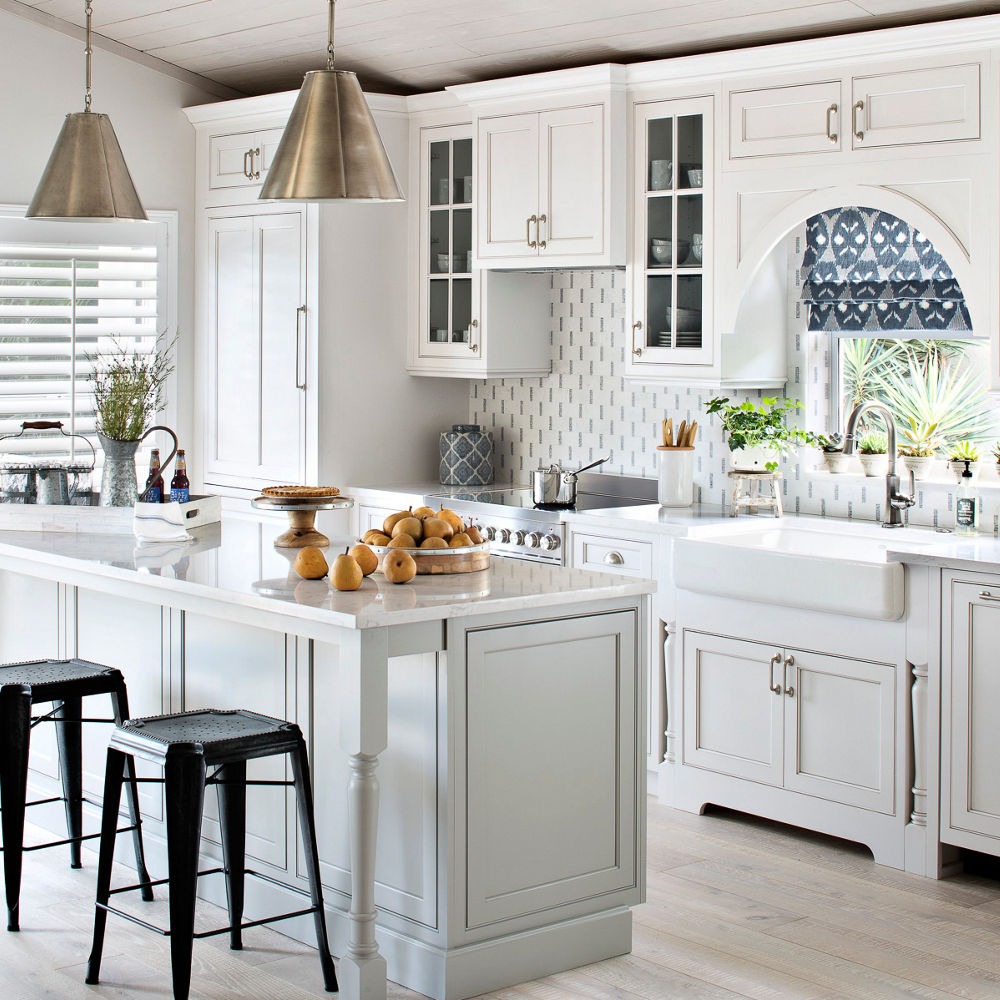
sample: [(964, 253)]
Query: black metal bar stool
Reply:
[(186, 745), (64, 683)]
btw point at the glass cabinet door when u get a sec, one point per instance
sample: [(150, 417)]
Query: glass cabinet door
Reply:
[(672, 255), (447, 279)]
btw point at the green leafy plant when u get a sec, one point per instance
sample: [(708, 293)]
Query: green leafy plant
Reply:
[(963, 451), (920, 440), (129, 389), (763, 425), (873, 443)]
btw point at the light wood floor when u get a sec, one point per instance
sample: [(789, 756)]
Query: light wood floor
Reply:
[(738, 908)]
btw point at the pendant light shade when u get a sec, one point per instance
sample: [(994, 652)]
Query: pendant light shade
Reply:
[(330, 149), (86, 178)]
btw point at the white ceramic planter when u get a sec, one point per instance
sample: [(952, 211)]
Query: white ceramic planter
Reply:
[(837, 462), (874, 465), (957, 468), (917, 464), (752, 459)]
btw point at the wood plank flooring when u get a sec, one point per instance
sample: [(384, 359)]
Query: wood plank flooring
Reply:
[(738, 909)]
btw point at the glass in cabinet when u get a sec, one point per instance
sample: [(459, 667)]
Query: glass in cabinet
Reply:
[(672, 255)]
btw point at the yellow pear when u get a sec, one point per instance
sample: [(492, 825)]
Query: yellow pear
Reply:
[(346, 573), (399, 567), (434, 542), (434, 527), (365, 558), (474, 535), (460, 540), (403, 541), (422, 512), (392, 520), (372, 533), (310, 563), (457, 524), (411, 526), (376, 538)]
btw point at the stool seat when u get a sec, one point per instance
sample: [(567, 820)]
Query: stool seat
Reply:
[(218, 736), (59, 679)]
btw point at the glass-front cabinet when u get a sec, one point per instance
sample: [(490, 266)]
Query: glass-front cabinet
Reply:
[(673, 228)]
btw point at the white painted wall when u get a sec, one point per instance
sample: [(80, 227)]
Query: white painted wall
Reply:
[(41, 80)]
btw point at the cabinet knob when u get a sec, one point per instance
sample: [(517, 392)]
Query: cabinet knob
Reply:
[(614, 559)]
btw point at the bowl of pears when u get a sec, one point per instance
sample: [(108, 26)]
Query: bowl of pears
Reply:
[(438, 540)]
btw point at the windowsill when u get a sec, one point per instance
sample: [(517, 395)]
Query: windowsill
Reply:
[(987, 477)]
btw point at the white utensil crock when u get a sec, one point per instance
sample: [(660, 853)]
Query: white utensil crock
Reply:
[(676, 487)]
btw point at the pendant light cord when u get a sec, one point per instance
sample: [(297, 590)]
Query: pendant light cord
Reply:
[(89, 11), (329, 44)]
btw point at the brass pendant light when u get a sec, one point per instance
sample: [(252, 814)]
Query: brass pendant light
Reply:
[(330, 149), (86, 178)]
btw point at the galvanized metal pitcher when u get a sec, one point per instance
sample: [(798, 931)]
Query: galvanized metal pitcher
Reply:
[(118, 483)]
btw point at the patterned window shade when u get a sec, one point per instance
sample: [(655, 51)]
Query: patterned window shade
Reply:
[(865, 271)]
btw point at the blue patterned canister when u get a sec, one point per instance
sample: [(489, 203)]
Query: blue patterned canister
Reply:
[(466, 456)]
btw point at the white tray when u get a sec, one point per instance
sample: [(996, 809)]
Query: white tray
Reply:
[(198, 510)]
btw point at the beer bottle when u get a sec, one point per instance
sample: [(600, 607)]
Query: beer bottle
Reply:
[(154, 481), (180, 488)]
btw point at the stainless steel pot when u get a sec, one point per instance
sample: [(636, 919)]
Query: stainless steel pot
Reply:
[(552, 487)]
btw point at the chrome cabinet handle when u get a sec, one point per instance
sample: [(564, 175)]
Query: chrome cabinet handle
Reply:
[(776, 688), (473, 326), (248, 164), (830, 112), (300, 380), (256, 173), (614, 559), (637, 325), (858, 133), (531, 243), (542, 244), (987, 596), (789, 662)]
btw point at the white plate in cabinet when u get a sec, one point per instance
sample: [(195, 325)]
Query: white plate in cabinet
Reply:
[(612, 555), (938, 104), (780, 121), (241, 159)]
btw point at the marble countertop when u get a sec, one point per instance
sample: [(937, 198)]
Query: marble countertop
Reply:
[(236, 563)]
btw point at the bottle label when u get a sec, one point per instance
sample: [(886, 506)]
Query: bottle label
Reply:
[(180, 495), (965, 512), (154, 494)]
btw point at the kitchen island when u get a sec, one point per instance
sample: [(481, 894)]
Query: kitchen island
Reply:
[(484, 731)]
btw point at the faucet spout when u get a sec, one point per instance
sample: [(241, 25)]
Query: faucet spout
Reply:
[(895, 502)]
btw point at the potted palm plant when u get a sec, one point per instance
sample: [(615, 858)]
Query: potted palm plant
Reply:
[(873, 453), (758, 433)]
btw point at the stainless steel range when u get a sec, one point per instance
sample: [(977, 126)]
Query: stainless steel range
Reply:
[(516, 528)]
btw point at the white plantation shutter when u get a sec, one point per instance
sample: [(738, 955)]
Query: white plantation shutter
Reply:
[(61, 304)]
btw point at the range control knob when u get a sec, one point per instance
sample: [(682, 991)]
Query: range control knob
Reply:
[(551, 542), (490, 533), (505, 535), (533, 540), (519, 537)]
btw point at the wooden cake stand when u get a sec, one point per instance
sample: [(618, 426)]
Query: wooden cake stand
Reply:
[(302, 518)]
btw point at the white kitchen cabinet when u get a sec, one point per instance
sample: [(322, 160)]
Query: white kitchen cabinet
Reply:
[(241, 159), (777, 121), (811, 723), (970, 792), (546, 189), (469, 323), (256, 347)]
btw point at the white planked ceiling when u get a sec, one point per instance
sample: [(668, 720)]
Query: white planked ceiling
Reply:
[(261, 46)]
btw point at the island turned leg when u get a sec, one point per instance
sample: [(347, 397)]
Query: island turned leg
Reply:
[(364, 710)]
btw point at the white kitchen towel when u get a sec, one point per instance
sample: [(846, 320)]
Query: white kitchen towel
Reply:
[(159, 522)]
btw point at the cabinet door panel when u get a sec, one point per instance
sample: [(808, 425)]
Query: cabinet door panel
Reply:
[(571, 181), (840, 729), (938, 104), (229, 160), (508, 185), (781, 121), (732, 718), (974, 744)]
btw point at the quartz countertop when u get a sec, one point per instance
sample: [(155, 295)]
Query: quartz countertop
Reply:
[(236, 563)]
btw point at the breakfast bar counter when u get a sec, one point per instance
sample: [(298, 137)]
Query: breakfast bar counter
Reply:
[(509, 831)]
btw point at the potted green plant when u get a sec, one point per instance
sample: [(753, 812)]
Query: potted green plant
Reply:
[(758, 433), (919, 443), (960, 452), (128, 391), (833, 454), (872, 451)]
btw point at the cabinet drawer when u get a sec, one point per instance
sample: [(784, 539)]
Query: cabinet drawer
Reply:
[(231, 158), (940, 104), (608, 554), (786, 120)]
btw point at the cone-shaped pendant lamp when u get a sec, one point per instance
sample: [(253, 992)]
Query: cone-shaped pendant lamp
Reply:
[(86, 178), (330, 149)]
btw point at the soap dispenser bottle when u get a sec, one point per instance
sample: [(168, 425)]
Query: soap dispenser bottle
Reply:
[(966, 504)]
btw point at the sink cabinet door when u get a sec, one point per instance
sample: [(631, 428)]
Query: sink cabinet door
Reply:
[(839, 729), (732, 717)]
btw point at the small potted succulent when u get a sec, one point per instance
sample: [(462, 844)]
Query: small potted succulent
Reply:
[(833, 453), (960, 452), (758, 434), (920, 442), (872, 451)]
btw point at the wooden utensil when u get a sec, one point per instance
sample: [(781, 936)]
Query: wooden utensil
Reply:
[(668, 433), (689, 440), (681, 434)]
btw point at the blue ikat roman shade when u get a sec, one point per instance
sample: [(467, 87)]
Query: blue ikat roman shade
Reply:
[(866, 272)]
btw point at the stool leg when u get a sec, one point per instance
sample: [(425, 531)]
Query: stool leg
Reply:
[(109, 828), (69, 740), (15, 732), (233, 820), (119, 704), (184, 778), (307, 824)]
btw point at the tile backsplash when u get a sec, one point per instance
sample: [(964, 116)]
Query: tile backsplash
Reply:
[(586, 409)]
